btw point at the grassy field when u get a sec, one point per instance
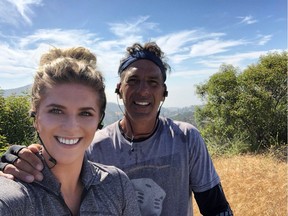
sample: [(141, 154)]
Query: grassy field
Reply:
[(253, 185)]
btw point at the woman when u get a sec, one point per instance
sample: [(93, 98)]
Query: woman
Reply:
[(68, 104)]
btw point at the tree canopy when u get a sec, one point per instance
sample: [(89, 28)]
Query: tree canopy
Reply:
[(249, 105)]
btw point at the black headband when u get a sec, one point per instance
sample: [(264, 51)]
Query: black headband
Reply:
[(143, 54)]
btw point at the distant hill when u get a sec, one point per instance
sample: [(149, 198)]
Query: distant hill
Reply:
[(16, 91), (114, 113)]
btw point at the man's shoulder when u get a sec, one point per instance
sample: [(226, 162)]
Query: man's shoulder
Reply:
[(107, 130), (106, 133), (168, 122)]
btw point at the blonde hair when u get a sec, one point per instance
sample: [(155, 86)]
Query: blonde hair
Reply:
[(72, 65)]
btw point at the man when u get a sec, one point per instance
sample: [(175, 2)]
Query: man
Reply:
[(166, 160)]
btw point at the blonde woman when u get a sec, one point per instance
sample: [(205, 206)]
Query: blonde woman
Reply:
[(68, 105)]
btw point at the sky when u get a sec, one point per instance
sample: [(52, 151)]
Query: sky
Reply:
[(197, 36)]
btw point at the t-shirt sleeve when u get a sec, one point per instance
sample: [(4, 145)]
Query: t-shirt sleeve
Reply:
[(203, 175)]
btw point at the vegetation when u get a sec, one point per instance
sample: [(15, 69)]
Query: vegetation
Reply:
[(15, 124), (246, 111), (253, 184)]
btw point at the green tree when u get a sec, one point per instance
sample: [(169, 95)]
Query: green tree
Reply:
[(220, 92), (250, 106), (16, 125), (3, 140), (263, 103)]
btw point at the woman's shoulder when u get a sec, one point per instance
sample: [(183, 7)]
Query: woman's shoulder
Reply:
[(13, 193), (110, 176), (112, 170), (11, 186)]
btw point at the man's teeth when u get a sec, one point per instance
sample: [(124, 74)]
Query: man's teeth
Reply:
[(142, 103), (67, 141)]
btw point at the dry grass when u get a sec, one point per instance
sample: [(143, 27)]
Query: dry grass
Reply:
[(253, 185)]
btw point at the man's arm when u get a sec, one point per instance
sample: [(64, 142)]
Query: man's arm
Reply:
[(22, 163), (213, 202)]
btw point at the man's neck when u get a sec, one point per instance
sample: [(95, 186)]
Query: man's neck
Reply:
[(137, 129)]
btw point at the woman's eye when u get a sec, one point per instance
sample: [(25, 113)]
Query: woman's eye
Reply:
[(86, 114), (55, 111)]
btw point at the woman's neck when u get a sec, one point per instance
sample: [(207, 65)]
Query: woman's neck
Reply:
[(71, 186)]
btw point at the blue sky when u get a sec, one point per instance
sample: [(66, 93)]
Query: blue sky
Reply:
[(196, 35)]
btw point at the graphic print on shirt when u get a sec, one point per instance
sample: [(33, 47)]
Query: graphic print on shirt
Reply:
[(150, 196)]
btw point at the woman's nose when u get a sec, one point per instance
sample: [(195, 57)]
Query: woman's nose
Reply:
[(71, 122)]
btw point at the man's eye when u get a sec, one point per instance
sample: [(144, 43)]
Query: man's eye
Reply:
[(132, 81), (153, 83)]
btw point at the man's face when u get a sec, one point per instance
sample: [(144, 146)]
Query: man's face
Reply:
[(142, 89)]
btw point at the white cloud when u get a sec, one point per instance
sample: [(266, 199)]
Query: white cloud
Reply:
[(196, 48), (247, 20), (138, 26), (263, 39), (21, 55), (16, 62), (191, 44), (17, 11), (214, 46), (236, 60), (59, 38), (177, 42), (193, 73)]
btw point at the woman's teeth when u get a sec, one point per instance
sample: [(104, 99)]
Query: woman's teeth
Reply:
[(67, 141)]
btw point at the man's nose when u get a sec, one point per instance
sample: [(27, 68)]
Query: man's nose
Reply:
[(143, 88)]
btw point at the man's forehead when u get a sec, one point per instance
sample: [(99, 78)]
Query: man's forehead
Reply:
[(138, 73)]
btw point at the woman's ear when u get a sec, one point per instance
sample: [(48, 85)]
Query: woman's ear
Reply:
[(35, 120), (35, 124)]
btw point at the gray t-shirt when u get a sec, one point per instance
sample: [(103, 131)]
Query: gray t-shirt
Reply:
[(164, 169), (107, 191)]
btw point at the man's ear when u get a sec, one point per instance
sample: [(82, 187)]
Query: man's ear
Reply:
[(165, 92), (118, 91)]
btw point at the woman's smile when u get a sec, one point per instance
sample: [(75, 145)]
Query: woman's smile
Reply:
[(68, 141)]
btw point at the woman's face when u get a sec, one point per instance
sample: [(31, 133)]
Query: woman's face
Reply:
[(66, 120)]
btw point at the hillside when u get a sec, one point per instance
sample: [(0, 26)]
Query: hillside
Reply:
[(16, 91)]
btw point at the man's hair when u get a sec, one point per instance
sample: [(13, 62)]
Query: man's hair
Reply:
[(150, 51)]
